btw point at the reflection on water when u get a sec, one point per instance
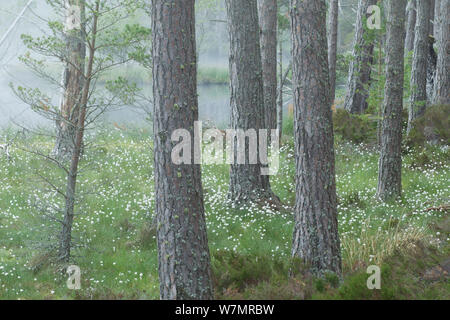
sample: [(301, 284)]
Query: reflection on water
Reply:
[(213, 104)]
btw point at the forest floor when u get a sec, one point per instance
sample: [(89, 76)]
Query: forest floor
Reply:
[(250, 244)]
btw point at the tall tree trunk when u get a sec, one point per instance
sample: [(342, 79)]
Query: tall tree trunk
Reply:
[(418, 97), (247, 98), (268, 12), (332, 45), (437, 19), (432, 4), (432, 57), (390, 164), (280, 95), (431, 68), (442, 79), (360, 66), (411, 24), (72, 84), (316, 238), (72, 174), (183, 253)]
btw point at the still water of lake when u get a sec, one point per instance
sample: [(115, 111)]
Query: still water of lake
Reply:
[(214, 103)]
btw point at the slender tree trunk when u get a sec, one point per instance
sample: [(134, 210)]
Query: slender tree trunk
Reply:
[(390, 164), (418, 97), (72, 84), (442, 79), (332, 45), (66, 234), (268, 39), (247, 98), (380, 89), (280, 95), (316, 238), (411, 24), (183, 253), (360, 66)]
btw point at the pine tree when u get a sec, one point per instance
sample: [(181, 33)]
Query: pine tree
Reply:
[(390, 163), (316, 238), (183, 253)]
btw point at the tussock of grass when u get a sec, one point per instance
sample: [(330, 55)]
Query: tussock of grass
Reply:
[(373, 247)]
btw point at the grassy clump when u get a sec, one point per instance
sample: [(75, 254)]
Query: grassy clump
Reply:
[(402, 277), (430, 156), (433, 127), (355, 128), (147, 235), (374, 246)]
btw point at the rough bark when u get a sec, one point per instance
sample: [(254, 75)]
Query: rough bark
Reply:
[(360, 66), (183, 253), (390, 163), (72, 84), (315, 238), (431, 68), (267, 10), (437, 19), (432, 4), (411, 25), (332, 44), (432, 57), (247, 97), (418, 97), (442, 79)]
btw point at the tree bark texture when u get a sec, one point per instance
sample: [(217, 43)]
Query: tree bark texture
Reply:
[(268, 21), (442, 78), (390, 163), (315, 238), (437, 19), (332, 44), (72, 84), (280, 95), (410, 25), (361, 64), (418, 97), (183, 253), (247, 97)]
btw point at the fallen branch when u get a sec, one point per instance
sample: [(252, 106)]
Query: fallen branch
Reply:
[(444, 207)]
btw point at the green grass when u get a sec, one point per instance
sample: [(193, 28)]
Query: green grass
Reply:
[(250, 244), (213, 75)]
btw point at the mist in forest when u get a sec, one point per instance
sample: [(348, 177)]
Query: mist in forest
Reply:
[(213, 53)]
